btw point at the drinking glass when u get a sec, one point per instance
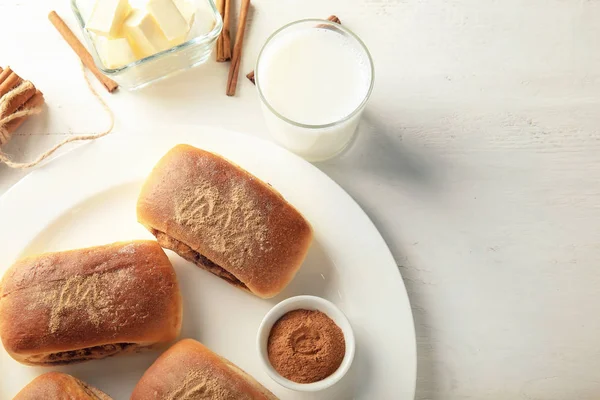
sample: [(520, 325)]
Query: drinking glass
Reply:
[(314, 142)]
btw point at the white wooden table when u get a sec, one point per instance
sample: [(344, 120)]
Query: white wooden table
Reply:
[(478, 159)]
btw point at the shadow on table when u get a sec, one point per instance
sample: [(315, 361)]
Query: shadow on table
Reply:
[(379, 151), (380, 156)]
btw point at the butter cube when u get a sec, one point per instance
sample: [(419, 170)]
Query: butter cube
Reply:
[(187, 10), (114, 53), (107, 17), (169, 19), (204, 20), (144, 34)]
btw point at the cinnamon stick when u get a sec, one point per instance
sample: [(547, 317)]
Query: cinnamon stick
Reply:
[(4, 74), (35, 101), (10, 82), (81, 51), (18, 101), (335, 19), (331, 18), (234, 69), (250, 76), (224, 39)]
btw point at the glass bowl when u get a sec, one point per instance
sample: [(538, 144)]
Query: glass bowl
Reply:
[(195, 51)]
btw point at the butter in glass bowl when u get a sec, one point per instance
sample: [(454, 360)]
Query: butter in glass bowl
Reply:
[(137, 42)]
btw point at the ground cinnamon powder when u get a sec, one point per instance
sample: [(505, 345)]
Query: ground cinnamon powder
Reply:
[(306, 346)]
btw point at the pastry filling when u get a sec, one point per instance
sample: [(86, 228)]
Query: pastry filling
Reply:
[(189, 254), (87, 353)]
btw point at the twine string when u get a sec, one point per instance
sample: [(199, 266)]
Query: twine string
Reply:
[(4, 135)]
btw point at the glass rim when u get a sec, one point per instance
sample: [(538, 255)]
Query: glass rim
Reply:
[(329, 124), (207, 38)]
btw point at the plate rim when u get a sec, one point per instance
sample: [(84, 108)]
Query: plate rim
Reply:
[(125, 141)]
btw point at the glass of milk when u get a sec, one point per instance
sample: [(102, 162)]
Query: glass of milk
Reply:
[(314, 78)]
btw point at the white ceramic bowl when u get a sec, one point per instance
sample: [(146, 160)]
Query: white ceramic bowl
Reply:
[(306, 303)]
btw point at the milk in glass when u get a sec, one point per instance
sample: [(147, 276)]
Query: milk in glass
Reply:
[(314, 79)]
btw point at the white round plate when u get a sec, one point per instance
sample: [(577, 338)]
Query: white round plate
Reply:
[(88, 197)]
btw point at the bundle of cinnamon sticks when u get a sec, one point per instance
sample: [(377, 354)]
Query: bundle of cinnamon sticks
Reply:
[(224, 51), (19, 99)]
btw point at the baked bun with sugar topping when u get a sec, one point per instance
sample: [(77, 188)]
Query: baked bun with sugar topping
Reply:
[(189, 370), (225, 220), (59, 386), (78, 305)]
